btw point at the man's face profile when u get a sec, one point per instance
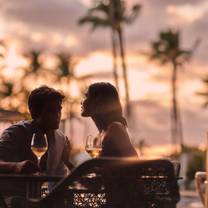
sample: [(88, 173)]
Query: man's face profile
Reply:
[(50, 115)]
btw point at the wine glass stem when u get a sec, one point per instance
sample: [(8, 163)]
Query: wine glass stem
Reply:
[(39, 163)]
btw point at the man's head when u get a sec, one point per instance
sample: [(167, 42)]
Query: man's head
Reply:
[(45, 106)]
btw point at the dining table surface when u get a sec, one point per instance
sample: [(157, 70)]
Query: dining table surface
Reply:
[(33, 182), (36, 177)]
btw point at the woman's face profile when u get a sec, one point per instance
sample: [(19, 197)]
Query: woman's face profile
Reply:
[(92, 105), (97, 101), (87, 105)]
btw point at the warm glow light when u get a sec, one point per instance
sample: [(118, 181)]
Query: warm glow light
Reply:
[(158, 151), (66, 41), (2, 28), (13, 59), (74, 89), (188, 13), (142, 74), (87, 2), (50, 62), (70, 41), (57, 38), (95, 62), (37, 36)]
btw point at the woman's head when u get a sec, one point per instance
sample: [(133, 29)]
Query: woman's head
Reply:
[(102, 100)]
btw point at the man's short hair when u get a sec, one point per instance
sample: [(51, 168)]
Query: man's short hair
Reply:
[(40, 96)]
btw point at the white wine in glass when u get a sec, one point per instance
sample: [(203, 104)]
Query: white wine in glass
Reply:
[(39, 145), (93, 145), (94, 151), (39, 151)]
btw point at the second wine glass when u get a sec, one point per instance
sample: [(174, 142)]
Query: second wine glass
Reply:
[(94, 145), (39, 145)]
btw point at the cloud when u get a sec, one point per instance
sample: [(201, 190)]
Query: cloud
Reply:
[(53, 24), (47, 14), (151, 121), (187, 13), (26, 17), (158, 4)]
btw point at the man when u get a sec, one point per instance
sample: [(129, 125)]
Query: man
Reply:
[(16, 156)]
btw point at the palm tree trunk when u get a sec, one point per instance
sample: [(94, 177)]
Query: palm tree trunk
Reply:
[(71, 126), (180, 129), (124, 68), (173, 108), (114, 57), (114, 42), (71, 133), (176, 124)]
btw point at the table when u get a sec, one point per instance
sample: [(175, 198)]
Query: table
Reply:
[(33, 182)]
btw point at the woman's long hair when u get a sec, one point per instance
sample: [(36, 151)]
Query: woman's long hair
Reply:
[(108, 104)]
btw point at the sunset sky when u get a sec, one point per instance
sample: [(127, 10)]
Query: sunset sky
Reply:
[(52, 25)]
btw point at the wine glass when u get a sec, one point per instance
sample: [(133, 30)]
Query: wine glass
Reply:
[(39, 145), (94, 145)]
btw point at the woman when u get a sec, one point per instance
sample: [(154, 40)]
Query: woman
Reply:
[(102, 104)]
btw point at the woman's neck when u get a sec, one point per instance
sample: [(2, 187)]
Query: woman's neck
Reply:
[(99, 122)]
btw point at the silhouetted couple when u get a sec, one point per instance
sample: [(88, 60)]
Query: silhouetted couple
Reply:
[(102, 104)]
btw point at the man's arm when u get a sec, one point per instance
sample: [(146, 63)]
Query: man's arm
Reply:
[(9, 142), (18, 167), (66, 154), (8, 167)]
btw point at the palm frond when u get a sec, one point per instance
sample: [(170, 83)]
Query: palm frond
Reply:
[(94, 21), (205, 92), (102, 7), (6, 89), (110, 13), (66, 65), (34, 56), (133, 14), (167, 49)]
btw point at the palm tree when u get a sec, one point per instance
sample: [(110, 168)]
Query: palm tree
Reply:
[(107, 21), (36, 70), (3, 54), (34, 56), (12, 94), (65, 74), (34, 67), (205, 92), (167, 49), (7, 88), (113, 14), (16, 99), (66, 65)]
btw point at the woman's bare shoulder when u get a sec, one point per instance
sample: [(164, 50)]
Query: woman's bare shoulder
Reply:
[(116, 124), (115, 127)]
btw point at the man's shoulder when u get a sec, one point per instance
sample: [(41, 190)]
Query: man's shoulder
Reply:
[(19, 126), (23, 123)]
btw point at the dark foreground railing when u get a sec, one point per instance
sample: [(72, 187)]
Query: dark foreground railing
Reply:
[(116, 183)]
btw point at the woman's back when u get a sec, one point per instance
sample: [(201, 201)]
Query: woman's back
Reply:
[(116, 142)]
